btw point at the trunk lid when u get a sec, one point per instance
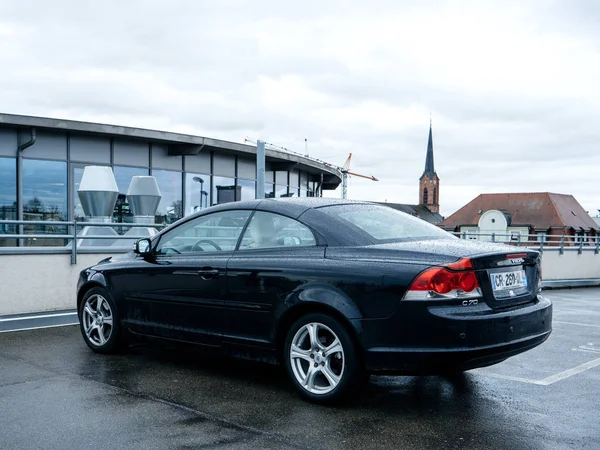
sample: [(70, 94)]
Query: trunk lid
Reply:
[(507, 275)]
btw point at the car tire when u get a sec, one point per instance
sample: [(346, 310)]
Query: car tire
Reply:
[(99, 322), (322, 359)]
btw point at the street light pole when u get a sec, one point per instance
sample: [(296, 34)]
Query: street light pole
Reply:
[(260, 169), (201, 181)]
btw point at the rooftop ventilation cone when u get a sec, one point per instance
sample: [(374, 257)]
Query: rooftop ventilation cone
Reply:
[(143, 197), (98, 192)]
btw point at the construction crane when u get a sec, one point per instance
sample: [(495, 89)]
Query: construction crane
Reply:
[(345, 170)]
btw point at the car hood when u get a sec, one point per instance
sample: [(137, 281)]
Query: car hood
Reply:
[(430, 251), (117, 259)]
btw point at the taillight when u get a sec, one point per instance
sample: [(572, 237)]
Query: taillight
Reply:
[(455, 280)]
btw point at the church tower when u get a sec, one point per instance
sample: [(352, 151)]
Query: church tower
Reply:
[(429, 183)]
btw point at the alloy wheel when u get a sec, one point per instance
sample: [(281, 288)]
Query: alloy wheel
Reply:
[(317, 358), (97, 320)]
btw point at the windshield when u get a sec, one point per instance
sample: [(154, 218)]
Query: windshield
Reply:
[(384, 223)]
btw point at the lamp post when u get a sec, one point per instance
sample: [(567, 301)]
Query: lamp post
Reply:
[(201, 181)]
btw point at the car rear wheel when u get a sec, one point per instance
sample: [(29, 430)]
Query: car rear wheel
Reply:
[(321, 358), (98, 321)]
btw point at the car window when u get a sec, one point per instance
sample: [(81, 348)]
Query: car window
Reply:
[(268, 230), (211, 233), (384, 223)]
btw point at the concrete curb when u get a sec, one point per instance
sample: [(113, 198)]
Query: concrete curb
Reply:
[(45, 319), (567, 284)]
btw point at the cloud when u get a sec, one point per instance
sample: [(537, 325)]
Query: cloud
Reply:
[(511, 85)]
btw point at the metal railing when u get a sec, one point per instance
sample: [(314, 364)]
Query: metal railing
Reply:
[(67, 231), (540, 242)]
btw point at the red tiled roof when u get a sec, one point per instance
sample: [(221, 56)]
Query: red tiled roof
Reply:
[(538, 209)]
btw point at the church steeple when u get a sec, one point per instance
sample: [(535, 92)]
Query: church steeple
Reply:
[(429, 183), (429, 167)]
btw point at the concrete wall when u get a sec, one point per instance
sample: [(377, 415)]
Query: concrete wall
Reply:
[(570, 265), (32, 283), (35, 283)]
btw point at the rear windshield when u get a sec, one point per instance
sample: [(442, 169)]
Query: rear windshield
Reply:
[(384, 223)]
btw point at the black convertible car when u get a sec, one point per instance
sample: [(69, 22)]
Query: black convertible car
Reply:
[(333, 290)]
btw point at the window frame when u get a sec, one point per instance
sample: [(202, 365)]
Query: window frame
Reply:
[(316, 237), (160, 238)]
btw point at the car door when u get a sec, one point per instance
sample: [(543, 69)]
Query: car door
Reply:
[(185, 278), (270, 263)]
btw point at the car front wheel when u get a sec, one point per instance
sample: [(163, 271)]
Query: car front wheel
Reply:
[(321, 358), (98, 319)]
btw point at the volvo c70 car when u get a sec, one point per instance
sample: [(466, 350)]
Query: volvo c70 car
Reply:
[(333, 290)]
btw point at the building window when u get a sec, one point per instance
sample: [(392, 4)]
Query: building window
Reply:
[(123, 176), (425, 196), (8, 199), (225, 190), (281, 183), (170, 208), (197, 192), (269, 190), (303, 184), (44, 198), (269, 185), (248, 189), (294, 184), (281, 191), (435, 196)]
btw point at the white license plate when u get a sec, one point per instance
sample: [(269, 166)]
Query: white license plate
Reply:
[(508, 280)]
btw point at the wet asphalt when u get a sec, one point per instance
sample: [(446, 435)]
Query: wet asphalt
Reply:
[(56, 393)]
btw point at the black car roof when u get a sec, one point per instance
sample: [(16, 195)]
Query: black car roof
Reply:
[(293, 207), (307, 207)]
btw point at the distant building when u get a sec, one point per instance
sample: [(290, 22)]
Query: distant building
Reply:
[(520, 214), (42, 161), (428, 208), (420, 211), (597, 218)]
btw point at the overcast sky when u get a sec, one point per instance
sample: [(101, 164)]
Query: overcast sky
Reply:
[(513, 87)]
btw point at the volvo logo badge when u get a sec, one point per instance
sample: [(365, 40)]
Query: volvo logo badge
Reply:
[(511, 262)]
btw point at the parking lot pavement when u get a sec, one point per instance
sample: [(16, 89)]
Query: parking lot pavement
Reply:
[(56, 393)]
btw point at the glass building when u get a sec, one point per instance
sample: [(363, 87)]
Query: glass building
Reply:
[(42, 162)]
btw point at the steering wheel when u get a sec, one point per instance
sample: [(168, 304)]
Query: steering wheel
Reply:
[(196, 247)]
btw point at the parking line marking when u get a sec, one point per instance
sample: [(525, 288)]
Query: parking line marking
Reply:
[(44, 316), (583, 348), (570, 372), (39, 328), (578, 324), (511, 378)]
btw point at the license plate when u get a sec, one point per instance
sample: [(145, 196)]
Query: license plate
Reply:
[(508, 280)]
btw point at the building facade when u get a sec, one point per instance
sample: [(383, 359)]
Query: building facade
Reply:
[(536, 216), (42, 162)]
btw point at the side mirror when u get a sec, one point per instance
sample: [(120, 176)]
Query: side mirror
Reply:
[(143, 247)]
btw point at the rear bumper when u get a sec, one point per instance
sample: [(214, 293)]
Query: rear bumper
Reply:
[(442, 339)]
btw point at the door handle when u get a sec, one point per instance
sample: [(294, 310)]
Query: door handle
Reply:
[(207, 274)]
